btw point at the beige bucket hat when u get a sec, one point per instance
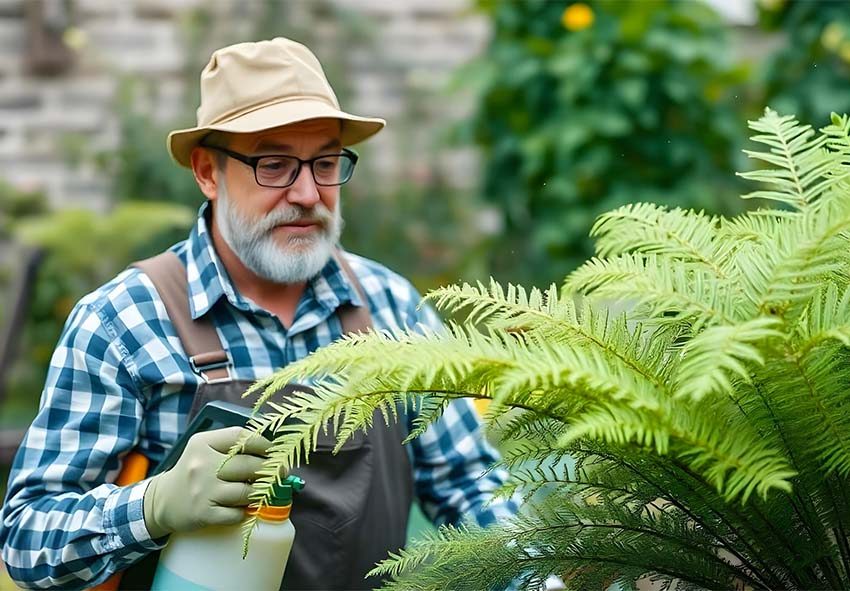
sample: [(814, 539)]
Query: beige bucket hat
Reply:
[(250, 87)]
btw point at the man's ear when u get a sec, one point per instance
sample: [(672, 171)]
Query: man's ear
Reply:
[(206, 172)]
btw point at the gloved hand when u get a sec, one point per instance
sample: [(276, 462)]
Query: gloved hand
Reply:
[(191, 495)]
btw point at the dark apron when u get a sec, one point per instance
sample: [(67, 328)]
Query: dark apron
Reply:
[(355, 507)]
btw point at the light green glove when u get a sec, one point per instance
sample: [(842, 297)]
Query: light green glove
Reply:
[(191, 495)]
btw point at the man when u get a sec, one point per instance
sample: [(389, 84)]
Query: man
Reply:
[(262, 270)]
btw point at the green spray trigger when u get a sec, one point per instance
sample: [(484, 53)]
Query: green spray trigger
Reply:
[(282, 493)]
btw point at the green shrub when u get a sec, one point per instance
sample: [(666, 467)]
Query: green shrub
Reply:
[(17, 204), (584, 107), (809, 73)]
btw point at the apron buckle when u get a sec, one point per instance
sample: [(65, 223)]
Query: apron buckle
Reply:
[(207, 366)]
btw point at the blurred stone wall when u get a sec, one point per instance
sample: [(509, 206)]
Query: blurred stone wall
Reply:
[(61, 62)]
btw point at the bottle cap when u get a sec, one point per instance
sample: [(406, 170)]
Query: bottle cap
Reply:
[(282, 493)]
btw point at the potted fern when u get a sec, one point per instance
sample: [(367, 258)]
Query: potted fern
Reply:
[(695, 373)]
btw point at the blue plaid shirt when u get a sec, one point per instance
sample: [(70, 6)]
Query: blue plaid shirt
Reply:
[(119, 380)]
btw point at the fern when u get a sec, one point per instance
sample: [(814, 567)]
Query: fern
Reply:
[(710, 357), (797, 177), (649, 228), (677, 411)]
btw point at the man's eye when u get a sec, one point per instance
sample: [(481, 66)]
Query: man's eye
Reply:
[(325, 165), (274, 165)]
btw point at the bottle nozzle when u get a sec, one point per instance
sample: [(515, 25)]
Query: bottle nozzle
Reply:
[(282, 493)]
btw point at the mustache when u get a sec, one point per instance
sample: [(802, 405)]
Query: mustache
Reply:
[(297, 213)]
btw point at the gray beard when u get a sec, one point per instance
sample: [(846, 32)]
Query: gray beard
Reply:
[(300, 259)]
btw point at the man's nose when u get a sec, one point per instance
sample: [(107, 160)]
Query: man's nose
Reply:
[(304, 190)]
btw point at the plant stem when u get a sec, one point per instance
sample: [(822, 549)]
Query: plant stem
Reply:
[(776, 534), (776, 581), (800, 368), (702, 582), (841, 534), (765, 574), (695, 548), (801, 507)]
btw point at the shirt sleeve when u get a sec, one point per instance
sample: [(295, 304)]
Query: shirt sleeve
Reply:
[(450, 458), (63, 524)]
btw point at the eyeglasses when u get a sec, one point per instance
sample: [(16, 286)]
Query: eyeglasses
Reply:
[(279, 171)]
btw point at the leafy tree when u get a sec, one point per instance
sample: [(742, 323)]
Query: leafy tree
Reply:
[(696, 370), (809, 74), (584, 107)]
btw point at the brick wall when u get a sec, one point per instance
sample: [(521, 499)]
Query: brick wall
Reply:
[(391, 57)]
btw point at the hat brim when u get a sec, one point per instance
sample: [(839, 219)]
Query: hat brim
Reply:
[(354, 129)]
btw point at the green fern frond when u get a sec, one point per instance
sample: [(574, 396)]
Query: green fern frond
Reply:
[(533, 465), (247, 529), (519, 425), (619, 426), (798, 158), (710, 358), (737, 466), (390, 371), (533, 452), (622, 342), (431, 408), (585, 374), (827, 318), (659, 287), (434, 572), (482, 302), (811, 404), (805, 255), (531, 480), (754, 227), (461, 356), (644, 227), (838, 134), (749, 539), (559, 320)]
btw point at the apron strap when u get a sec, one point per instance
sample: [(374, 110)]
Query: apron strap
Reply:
[(199, 338), (354, 319), (208, 358)]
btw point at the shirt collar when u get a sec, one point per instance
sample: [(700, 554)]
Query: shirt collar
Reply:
[(208, 280)]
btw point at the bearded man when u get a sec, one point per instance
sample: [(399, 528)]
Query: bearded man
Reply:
[(260, 282)]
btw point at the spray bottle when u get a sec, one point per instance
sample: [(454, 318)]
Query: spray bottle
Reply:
[(210, 559)]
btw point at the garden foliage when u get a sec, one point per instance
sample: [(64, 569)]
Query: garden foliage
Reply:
[(695, 370), (808, 73), (583, 107)]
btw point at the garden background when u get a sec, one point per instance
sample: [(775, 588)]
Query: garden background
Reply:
[(512, 125)]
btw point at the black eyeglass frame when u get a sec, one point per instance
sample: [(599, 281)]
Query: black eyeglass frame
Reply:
[(253, 161)]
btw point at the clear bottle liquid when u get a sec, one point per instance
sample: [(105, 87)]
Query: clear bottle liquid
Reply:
[(210, 559)]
